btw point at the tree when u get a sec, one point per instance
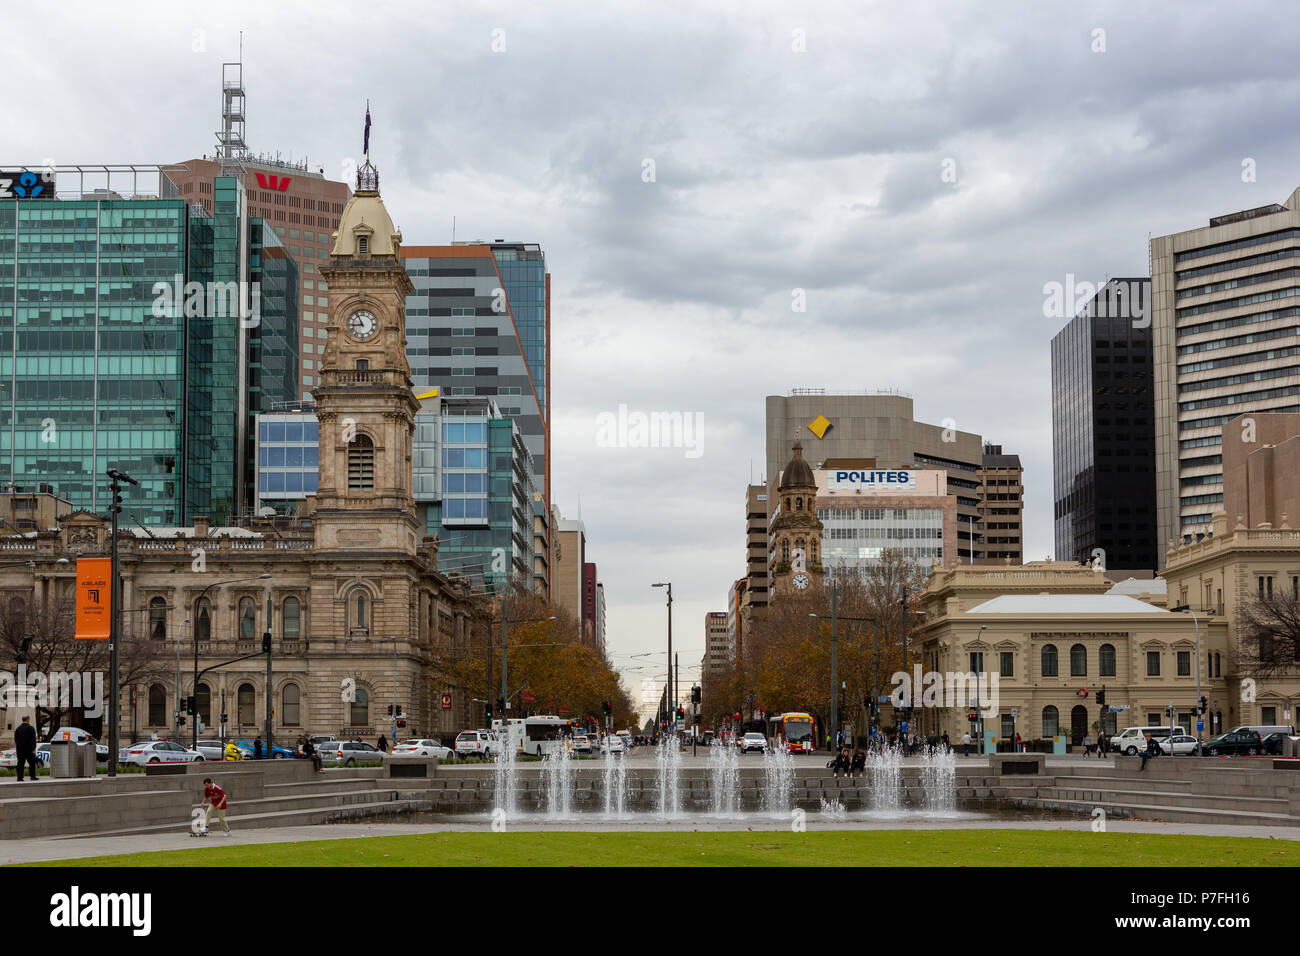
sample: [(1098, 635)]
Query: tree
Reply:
[(1268, 635)]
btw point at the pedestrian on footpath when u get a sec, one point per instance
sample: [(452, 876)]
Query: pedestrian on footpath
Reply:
[(214, 800), (965, 744), (383, 744), (257, 748), (947, 744), (1020, 745), (25, 745)]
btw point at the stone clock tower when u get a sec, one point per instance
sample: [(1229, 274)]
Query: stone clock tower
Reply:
[(795, 538), (364, 402)]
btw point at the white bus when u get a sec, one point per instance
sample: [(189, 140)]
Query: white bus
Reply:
[(538, 735)]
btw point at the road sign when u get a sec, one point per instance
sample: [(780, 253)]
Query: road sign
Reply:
[(446, 701), (1200, 726), (883, 699), (1118, 708)]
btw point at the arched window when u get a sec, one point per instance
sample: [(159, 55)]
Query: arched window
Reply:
[(289, 622), (1049, 660), (1078, 661), (203, 621), (798, 504), (157, 705), (158, 619), (359, 715), (360, 612), (785, 550), (1051, 721), (290, 705), (361, 463), (247, 699), (1078, 724), (1106, 660), (247, 619), (204, 703)]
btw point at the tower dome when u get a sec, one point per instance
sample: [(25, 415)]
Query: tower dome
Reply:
[(797, 472)]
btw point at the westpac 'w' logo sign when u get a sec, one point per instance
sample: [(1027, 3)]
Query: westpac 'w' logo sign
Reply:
[(273, 182)]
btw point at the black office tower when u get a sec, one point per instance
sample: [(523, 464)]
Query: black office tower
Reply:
[(1103, 430)]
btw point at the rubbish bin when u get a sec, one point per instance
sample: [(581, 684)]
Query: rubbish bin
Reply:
[(68, 759), (89, 759)]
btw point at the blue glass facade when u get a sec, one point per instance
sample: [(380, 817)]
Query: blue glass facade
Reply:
[(109, 358)]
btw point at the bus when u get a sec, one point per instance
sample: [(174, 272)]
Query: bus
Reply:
[(794, 730), (537, 735)]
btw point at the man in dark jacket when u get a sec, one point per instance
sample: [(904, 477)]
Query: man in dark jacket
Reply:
[(25, 744), (1152, 749), (257, 748)]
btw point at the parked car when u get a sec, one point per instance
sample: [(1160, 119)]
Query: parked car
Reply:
[(1273, 743), (613, 743), (211, 749), (77, 735), (475, 743), (626, 736), (1133, 739), (752, 741), (349, 753), (1184, 744), (280, 753), (318, 739), (581, 744), (157, 751), (423, 748), (10, 757), (1234, 742)]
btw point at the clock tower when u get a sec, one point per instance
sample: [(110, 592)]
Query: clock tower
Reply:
[(795, 537), (364, 401)]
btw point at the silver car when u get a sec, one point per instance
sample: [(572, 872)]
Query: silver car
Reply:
[(349, 753)]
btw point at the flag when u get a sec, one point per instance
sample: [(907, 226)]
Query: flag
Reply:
[(366, 145)]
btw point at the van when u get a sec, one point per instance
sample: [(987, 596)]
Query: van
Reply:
[(1133, 739), (1265, 729)]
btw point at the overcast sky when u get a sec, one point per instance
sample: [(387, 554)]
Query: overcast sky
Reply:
[(794, 147)]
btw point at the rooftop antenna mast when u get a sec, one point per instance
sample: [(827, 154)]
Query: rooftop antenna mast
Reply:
[(232, 148)]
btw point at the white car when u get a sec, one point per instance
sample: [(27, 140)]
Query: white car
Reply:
[(753, 741), (1182, 744), (10, 757), (626, 737), (423, 748), (612, 744), (157, 751), (475, 743), (212, 749), (581, 744)]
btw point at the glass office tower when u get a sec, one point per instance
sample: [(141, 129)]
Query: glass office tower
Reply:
[(1103, 431), (121, 346)]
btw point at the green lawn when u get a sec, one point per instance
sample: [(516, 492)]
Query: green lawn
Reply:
[(818, 848)]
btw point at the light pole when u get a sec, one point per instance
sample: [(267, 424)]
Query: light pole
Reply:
[(505, 686), (672, 704), (178, 679), (115, 623), (979, 713), (194, 689)]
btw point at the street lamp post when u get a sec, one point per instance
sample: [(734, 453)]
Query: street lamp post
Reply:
[(835, 683), (1197, 625), (672, 704), (115, 623), (194, 689)]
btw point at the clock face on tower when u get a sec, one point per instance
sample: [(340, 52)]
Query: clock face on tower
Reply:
[(800, 581), (362, 324)]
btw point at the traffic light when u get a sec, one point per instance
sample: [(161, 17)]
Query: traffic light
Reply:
[(972, 717), (180, 721), (695, 695), (501, 706), (487, 709), (266, 642), (1101, 697), (390, 710), (399, 710), (189, 706), (401, 723), (116, 506), (604, 707), (1204, 708)]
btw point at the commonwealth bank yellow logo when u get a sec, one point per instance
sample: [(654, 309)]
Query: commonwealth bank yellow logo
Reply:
[(819, 425)]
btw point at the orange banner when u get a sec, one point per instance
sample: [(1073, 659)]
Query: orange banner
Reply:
[(94, 598)]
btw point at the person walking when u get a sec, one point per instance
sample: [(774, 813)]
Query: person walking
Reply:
[(1149, 751), (1020, 744), (214, 801), (965, 744), (1087, 744), (947, 744), (383, 744), (25, 745)]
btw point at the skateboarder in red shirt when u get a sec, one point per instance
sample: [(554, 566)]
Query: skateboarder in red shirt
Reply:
[(214, 799)]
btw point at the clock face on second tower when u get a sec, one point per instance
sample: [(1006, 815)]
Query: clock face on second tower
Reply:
[(362, 324)]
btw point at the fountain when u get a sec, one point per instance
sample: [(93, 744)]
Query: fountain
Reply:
[(939, 779), (778, 780), (885, 764), (669, 759), (615, 784), (832, 809), (724, 778), (505, 797), (559, 782)]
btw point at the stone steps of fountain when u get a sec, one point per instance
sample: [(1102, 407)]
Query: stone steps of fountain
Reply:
[(1156, 811), (1171, 798)]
